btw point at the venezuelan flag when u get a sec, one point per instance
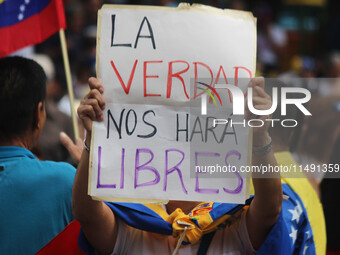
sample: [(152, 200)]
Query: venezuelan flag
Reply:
[(206, 217), (299, 229), (28, 22)]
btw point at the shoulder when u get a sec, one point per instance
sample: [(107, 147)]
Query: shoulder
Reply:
[(62, 167), (59, 172), (293, 228), (55, 164)]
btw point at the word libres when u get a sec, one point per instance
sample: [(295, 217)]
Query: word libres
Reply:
[(174, 169)]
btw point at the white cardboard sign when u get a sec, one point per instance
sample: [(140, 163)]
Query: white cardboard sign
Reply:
[(154, 142)]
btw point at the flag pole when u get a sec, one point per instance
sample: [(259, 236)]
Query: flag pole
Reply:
[(69, 82)]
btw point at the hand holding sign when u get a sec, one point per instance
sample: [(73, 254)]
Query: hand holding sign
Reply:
[(91, 108), (261, 101)]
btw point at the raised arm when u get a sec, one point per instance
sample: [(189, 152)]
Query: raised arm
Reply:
[(265, 208), (96, 218)]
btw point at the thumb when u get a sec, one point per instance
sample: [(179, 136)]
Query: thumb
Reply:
[(66, 140), (75, 150)]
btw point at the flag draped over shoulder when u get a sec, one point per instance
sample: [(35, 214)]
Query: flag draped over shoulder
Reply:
[(300, 228), (292, 233), (206, 218), (28, 22)]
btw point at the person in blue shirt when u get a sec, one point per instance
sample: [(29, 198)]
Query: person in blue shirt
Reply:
[(35, 196)]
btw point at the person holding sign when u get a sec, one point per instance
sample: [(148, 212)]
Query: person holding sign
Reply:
[(244, 233)]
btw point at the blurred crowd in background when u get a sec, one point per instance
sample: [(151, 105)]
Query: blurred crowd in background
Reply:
[(295, 39)]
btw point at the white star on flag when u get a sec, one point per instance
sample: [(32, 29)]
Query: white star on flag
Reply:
[(293, 235), (305, 249), (22, 9), (298, 207), (296, 213)]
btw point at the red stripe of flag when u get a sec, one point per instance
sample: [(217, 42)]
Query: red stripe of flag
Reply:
[(65, 243), (34, 29)]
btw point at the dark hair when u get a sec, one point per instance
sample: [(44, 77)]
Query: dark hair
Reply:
[(22, 87)]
